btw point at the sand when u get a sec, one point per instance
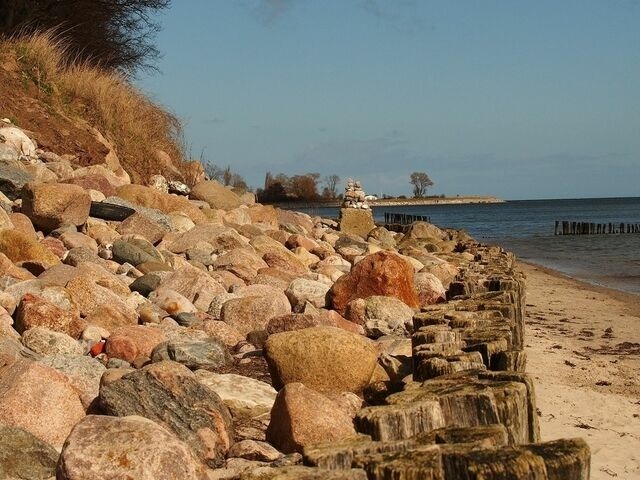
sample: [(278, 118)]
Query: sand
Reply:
[(583, 347)]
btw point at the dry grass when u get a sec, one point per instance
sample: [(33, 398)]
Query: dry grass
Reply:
[(136, 127)]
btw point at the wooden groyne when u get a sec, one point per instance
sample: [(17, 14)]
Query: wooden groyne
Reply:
[(564, 227), (400, 222)]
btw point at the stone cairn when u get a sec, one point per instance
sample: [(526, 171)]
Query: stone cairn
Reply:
[(354, 196), (355, 214)]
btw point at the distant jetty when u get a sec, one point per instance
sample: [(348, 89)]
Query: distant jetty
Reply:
[(386, 202)]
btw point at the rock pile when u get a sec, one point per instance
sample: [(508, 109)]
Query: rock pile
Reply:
[(165, 332)]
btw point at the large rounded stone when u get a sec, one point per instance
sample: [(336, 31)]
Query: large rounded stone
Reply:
[(327, 359), (38, 399), (302, 417), (50, 205), (129, 447), (216, 195), (253, 313), (83, 372), (382, 273), (169, 393), (47, 342)]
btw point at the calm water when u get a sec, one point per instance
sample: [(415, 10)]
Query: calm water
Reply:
[(526, 228)]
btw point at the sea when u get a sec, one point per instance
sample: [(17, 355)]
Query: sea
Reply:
[(526, 227)]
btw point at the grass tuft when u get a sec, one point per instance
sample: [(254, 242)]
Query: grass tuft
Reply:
[(133, 124)]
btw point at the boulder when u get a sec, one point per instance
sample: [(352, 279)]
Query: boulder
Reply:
[(244, 396), (94, 181), (429, 288), (36, 311), (195, 285), (382, 273), (242, 262), (253, 450), (296, 321), (207, 354), (263, 215), (83, 373), (322, 358), (128, 447), (25, 456), (76, 239), (220, 238), (50, 205), (131, 342), (135, 251), (302, 417), (13, 178), (16, 138), (165, 202), (356, 221), (300, 291), (21, 247), (99, 305), (253, 313), (47, 342), (140, 224), (38, 399), (216, 195), (169, 394)]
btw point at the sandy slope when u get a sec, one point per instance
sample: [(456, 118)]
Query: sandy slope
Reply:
[(587, 379)]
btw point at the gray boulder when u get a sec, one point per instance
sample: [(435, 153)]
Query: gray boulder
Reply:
[(24, 456), (207, 354), (168, 393)]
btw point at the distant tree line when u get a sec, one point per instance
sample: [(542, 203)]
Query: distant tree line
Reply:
[(113, 34), (298, 188)]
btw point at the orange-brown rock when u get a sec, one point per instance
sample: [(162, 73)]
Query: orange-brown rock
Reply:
[(50, 205), (36, 311), (216, 195), (323, 358), (94, 182), (23, 223), (38, 399), (382, 273), (20, 247), (301, 417), (131, 342), (140, 224)]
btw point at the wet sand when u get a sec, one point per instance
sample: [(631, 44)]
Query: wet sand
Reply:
[(583, 347)]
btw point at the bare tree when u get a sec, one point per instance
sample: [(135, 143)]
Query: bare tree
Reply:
[(331, 182), (420, 182)]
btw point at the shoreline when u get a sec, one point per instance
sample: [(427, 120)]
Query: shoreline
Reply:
[(583, 349)]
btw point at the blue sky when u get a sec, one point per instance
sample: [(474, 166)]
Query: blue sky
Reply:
[(520, 99)]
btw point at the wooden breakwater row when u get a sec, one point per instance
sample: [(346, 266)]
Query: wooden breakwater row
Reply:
[(400, 222), (563, 227), (470, 411)]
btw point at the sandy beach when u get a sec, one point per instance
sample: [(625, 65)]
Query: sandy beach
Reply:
[(583, 346)]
